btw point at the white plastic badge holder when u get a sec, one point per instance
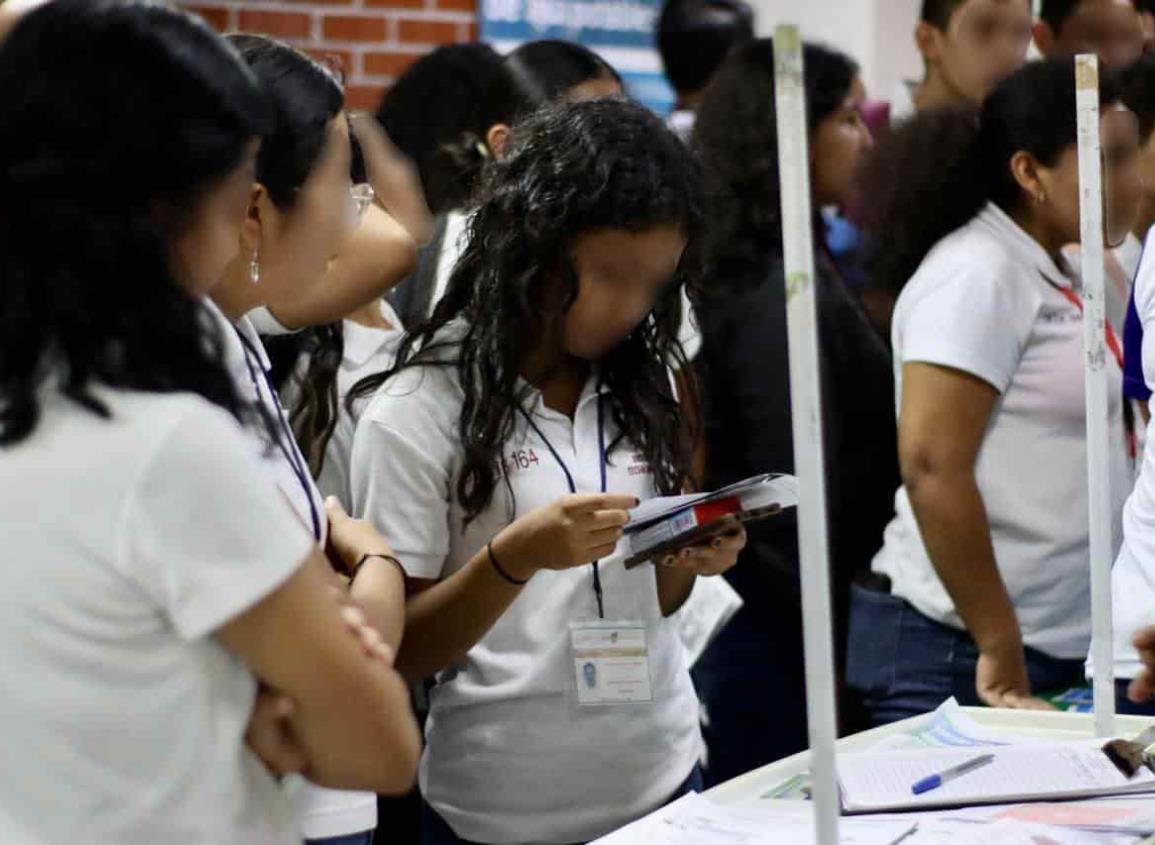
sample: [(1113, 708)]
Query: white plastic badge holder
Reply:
[(611, 663)]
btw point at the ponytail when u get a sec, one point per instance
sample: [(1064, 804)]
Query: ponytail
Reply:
[(454, 170)]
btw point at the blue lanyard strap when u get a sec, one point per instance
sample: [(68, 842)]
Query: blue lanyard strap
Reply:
[(598, 592), (296, 461)]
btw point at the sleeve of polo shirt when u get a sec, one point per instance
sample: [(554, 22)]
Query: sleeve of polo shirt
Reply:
[(266, 323), (205, 534), (976, 320), (400, 476)]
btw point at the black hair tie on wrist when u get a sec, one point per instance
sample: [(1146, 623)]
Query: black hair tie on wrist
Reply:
[(501, 569), (361, 562)]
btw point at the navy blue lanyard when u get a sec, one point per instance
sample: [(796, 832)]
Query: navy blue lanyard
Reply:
[(290, 451), (598, 594)]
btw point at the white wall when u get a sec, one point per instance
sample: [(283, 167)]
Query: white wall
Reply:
[(878, 33)]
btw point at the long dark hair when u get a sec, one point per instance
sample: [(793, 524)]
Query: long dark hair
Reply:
[(736, 134), (602, 164), (935, 172), (305, 97), (99, 172)]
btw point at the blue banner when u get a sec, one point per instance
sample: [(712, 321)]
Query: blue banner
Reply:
[(620, 31)]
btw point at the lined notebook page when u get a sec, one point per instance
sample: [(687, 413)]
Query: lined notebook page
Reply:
[(883, 780)]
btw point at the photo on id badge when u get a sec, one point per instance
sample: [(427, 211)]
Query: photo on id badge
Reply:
[(611, 663)]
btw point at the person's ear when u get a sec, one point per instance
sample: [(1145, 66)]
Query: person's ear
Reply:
[(927, 37), (497, 138), (1044, 38), (253, 228), (1027, 173)]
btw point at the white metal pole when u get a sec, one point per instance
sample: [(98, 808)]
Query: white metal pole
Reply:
[(1095, 348), (806, 410)]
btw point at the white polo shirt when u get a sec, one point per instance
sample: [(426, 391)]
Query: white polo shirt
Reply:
[(320, 812), (248, 363), (1133, 578), (987, 301), (127, 543), (453, 244), (510, 756), (368, 351)]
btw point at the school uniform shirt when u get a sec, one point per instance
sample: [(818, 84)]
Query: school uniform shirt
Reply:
[(1128, 254), (128, 542), (689, 332), (320, 812), (368, 350), (272, 441), (266, 323), (1133, 577), (989, 301), (510, 756), (1119, 267)]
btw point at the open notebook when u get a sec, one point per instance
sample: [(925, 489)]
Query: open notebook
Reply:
[(883, 780)]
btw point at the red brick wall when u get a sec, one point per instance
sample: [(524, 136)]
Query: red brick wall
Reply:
[(375, 40)]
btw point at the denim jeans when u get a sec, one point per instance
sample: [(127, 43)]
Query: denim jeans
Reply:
[(365, 838), (1126, 707), (435, 830), (904, 664)]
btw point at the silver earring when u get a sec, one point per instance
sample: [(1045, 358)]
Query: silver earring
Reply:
[(255, 268)]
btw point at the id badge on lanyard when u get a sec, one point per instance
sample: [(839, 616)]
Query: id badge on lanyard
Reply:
[(611, 663), (611, 660)]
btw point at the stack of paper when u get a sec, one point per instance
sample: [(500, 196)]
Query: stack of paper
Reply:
[(950, 727), (883, 780), (695, 820)]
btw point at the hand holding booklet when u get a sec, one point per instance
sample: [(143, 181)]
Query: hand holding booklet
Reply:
[(664, 525)]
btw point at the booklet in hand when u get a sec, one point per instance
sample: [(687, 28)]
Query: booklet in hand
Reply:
[(664, 525)]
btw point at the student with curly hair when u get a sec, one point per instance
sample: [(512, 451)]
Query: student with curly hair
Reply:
[(501, 454), (984, 589)]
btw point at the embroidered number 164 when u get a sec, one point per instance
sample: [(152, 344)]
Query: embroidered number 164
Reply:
[(523, 458)]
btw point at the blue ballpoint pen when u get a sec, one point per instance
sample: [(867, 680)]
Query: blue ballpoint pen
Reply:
[(937, 780)]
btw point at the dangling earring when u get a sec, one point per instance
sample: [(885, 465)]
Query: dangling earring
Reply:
[(1040, 198), (255, 268)]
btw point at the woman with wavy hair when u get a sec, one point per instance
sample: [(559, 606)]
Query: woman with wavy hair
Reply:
[(501, 454)]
